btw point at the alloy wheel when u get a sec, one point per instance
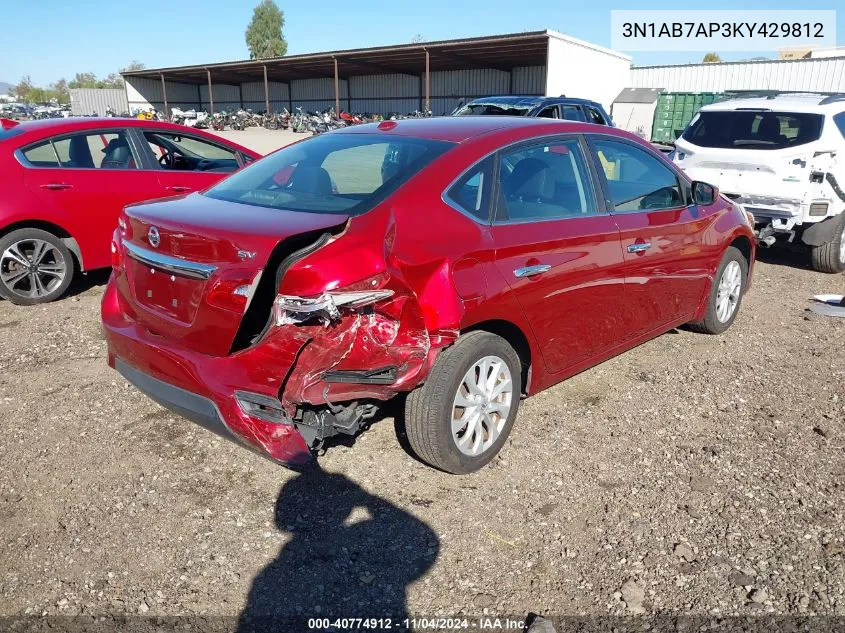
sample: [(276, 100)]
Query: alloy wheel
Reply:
[(481, 406), (32, 268), (728, 292)]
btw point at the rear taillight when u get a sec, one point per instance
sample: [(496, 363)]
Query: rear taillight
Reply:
[(328, 307), (230, 294), (116, 243)]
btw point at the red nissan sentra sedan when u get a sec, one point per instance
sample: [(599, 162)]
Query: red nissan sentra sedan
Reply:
[(466, 262), (65, 182)]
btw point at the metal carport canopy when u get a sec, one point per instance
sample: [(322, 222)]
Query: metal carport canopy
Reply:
[(500, 52)]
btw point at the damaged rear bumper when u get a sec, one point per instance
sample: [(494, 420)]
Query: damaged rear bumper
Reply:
[(284, 395)]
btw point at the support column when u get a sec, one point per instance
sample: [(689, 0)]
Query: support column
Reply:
[(164, 95), (336, 87), (266, 92), (210, 94), (427, 83)]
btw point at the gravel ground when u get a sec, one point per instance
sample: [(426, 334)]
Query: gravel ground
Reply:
[(693, 474)]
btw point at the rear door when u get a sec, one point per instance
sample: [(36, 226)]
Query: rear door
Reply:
[(188, 162), (559, 250), (87, 178), (662, 232)]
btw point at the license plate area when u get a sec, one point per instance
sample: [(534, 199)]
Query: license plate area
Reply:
[(165, 292)]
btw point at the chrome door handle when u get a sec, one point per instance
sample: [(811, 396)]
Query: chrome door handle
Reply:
[(56, 186), (528, 271), (639, 247)]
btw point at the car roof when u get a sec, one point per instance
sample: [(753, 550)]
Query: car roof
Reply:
[(42, 128), (814, 103), (462, 128), (528, 100)]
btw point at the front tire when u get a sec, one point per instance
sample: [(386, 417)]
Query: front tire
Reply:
[(830, 257), (725, 294), (459, 419), (35, 267)]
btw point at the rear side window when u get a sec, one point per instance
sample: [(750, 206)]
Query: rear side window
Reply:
[(753, 129), (571, 113), (839, 119), (472, 192), (545, 182), (636, 180), (98, 150)]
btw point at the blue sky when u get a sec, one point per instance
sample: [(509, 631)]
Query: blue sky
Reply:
[(49, 39)]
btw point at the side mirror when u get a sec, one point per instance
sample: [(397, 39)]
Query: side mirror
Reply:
[(703, 194)]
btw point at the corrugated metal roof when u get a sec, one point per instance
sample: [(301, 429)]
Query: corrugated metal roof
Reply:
[(798, 75), (502, 52)]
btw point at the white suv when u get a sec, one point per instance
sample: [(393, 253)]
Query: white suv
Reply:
[(782, 158)]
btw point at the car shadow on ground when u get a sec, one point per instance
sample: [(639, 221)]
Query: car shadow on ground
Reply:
[(784, 256), (350, 554), (83, 283)]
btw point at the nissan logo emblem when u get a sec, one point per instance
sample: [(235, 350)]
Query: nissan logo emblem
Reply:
[(153, 236)]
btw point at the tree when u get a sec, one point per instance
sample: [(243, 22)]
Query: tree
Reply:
[(134, 65), (417, 39), (59, 90), (711, 58), (264, 34), (113, 80), (83, 80), (23, 91)]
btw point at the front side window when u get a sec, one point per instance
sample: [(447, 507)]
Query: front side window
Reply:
[(178, 152), (331, 173), (636, 180), (96, 150), (595, 116), (545, 182), (753, 129)]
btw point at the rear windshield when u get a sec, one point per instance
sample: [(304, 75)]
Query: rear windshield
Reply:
[(507, 109), (753, 129), (331, 173)]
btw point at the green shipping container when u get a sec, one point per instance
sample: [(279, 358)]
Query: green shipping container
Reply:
[(674, 111)]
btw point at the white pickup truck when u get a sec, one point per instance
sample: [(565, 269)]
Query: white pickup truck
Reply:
[(783, 159)]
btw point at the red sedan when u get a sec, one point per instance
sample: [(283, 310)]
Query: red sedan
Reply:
[(467, 262), (66, 180)]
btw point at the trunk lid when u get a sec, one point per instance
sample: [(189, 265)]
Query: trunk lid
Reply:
[(191, 265)]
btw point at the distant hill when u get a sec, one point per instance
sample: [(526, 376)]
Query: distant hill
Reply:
[(4, 88)]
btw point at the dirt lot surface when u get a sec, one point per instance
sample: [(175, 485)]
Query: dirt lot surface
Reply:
[(694, 474)]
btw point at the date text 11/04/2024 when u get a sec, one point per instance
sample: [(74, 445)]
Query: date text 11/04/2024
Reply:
[(487, 623)]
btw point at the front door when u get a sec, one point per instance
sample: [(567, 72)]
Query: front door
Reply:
[(559, 251), (661, 230)]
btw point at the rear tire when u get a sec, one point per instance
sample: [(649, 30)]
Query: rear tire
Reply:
[(35, 267), (830, 257), (460, 418), (725, 296)]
